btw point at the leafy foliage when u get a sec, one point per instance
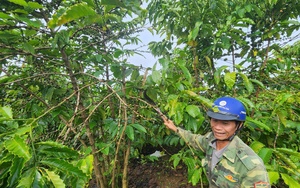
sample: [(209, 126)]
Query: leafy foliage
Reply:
[(62, 69), (71, 103), (243, 38), (25, 163)]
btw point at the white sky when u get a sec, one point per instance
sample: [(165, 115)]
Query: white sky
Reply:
[(149, 60)]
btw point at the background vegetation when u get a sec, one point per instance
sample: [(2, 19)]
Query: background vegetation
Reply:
[(72, 106)]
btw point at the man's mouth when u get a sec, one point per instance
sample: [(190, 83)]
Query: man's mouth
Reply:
[(219, 134)]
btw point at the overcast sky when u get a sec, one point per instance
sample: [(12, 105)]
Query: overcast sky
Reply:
[(148, 60)]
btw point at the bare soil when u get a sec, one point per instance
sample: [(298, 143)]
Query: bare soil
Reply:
[(158, 174)]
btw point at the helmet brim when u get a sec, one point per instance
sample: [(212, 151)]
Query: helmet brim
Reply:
[(221, 116)]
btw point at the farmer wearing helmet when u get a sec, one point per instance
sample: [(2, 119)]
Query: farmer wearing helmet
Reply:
[(229, 162)]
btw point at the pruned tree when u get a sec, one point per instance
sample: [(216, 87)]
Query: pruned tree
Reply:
[(233, 48)]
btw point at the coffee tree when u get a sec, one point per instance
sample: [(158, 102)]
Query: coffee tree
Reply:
[(73, 111), (233, 48), (63, 84)]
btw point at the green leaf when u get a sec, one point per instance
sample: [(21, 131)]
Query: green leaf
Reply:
[(189, 162), (74, 12), (196, 176), (172, 101), (282, 98), (15, 170), (226, 42), (11, 78), (193, 110), (22, 130), (247, 20), (265, 154), (18, 147), (116, 69), (64, 166), (103, 147), (247, 83), (176, 161), (79, 183), (98, 58), (273, 176), (287, 160), (208, 60), (174, 141), (229, 79), (19, 2), (29, 48), (55, 179), (4, 16), (217, 73), (8, 157), (290, 181), (241, 12), (113, 2), (34, 5), (257, 82), (293, 124), (86, 164), (135, 76), (129, 132), (179, 109), (246, 102), (4, 166), (156, 76), (139, 127), (289, 151), (33, 23), (259, 124), (281, 114), (186, 73), (56, 149), (39, 180), (6, 112), (194, 33), (28, 178), (291, 22), (49, 93), (118, 53), (244, 51), (199, 98), (256, 146)]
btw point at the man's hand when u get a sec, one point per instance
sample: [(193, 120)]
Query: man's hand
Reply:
[(169, 124)]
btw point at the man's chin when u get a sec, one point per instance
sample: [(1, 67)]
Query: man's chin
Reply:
[(221, 139)]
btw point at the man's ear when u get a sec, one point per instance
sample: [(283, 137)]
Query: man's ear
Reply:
[(239, 125)]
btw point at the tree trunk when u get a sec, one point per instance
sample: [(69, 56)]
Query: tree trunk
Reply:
[(125, 169), (84, 116)]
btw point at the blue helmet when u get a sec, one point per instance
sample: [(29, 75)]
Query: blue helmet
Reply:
[(227, 108)]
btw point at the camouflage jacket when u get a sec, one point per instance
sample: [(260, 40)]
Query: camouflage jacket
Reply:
[(239, 166)]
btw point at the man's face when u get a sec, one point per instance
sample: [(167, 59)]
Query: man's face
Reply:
[(222, 129)]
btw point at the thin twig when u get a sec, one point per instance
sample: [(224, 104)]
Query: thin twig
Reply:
[(277, 133)]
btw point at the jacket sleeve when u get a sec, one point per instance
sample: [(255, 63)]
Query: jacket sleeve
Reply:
[(256, 178), (196, 141)]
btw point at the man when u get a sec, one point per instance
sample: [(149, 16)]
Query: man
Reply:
[(229, 162)]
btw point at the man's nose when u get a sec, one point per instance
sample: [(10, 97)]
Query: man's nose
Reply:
[(217, 125)]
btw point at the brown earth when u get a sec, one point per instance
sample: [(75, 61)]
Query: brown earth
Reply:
[(158, 174)]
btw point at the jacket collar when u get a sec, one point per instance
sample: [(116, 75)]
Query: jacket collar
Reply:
[(232, 149)]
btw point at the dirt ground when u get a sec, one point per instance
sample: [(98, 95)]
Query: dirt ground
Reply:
[(158, 174)]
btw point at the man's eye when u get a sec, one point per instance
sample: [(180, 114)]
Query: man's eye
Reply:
[(214, 120)]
